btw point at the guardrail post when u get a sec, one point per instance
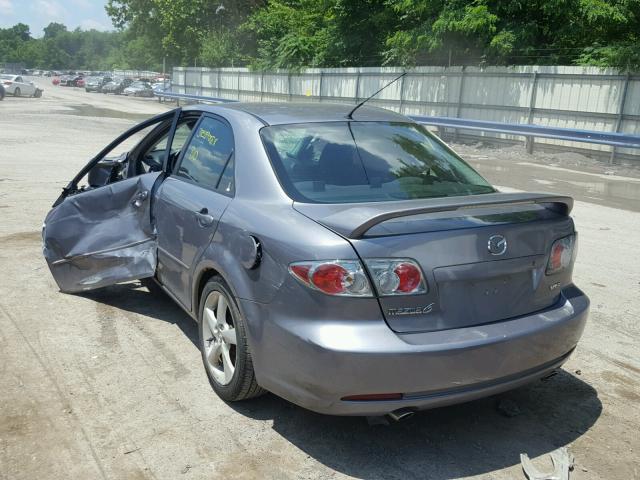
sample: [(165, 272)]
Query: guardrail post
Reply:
[(261, 85), (623, 101), (401, 94), (529, 141), (320, 87), (289, 85), (459, 104), (218, 84), (357, 86), (238, 85)]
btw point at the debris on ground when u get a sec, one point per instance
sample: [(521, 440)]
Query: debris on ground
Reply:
[(562, 461), (508, 408)]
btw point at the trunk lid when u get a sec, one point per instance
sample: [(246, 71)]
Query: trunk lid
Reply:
[(450, 238)]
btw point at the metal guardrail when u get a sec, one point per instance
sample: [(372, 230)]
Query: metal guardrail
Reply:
[(530, 130), (188, 96), (527, 130)]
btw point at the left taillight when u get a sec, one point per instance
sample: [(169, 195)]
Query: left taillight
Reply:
[(562, 254), (390, 276), (336, 277)]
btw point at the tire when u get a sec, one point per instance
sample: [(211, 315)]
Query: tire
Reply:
[(16, 92), (37, 93), (238, 383)]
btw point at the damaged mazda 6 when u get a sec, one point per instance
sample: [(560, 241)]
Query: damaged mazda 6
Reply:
[(345, 260)]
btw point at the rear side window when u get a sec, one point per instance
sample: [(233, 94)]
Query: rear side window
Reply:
[(344, 162), (208, 159)]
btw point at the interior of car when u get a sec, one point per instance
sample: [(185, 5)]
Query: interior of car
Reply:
[(146, 156)]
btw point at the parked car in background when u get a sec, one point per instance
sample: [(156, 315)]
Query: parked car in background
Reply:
[(17, 86), (116, 86), (161, 86), (80, 82), (341, 257), (95, 83), (70, 80), (55, 81), (139, 89)]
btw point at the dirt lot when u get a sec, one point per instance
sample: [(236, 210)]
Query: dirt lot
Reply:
[(110, 384)]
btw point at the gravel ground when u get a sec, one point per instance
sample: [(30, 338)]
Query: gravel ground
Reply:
[(110, 384)]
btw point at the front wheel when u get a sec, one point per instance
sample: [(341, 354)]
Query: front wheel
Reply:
[(223, 344), (16, 92)]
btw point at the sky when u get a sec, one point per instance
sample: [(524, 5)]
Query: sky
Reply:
[(86, 14)]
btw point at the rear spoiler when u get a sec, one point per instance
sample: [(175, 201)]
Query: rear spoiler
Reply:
[(354, 220)]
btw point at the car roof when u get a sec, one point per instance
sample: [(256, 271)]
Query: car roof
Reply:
[(308, 112)]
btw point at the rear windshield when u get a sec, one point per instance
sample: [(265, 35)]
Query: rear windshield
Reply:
[(344, 162)]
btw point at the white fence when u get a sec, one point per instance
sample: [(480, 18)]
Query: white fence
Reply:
[(570, 97), (134, 73)]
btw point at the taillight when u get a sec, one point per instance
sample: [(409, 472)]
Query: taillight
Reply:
[(396, 276), (333, 277), (562, 253), (8, 82)]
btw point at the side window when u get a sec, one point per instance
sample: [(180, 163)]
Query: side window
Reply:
[(208, 158), (19, 79), (183, 130)]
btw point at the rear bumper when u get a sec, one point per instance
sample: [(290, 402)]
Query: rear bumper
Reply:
[(316, 364)]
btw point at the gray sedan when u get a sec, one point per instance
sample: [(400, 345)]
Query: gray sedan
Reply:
[(348, 261)]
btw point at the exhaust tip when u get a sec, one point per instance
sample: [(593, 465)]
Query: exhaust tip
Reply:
[(401, 414)]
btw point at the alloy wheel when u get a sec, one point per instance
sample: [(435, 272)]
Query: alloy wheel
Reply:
[(219, 337)]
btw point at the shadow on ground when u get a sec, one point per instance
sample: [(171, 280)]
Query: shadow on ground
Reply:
[(150, 301), (469, 439)]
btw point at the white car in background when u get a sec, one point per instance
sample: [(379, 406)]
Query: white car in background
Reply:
[(17, 86)]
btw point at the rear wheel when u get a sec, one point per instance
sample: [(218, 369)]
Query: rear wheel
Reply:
[(223, 344), (16, 92), (37, 93)]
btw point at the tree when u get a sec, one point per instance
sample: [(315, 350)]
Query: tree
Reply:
[(53, 30)]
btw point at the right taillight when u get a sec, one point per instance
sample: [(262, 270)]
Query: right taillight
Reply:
[(396, 276), (561, 255)]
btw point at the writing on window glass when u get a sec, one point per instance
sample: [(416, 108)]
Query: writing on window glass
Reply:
[(193, 153), (208, 136)]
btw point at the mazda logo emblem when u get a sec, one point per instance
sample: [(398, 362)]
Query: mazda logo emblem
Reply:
[(497, 245)]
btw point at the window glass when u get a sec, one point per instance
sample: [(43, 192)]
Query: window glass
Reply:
[(342, 162), (208, 154), (226, 184), (183, 130)]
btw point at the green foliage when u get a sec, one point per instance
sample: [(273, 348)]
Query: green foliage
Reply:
[(593, 32), (271, 34), (221, 48)]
